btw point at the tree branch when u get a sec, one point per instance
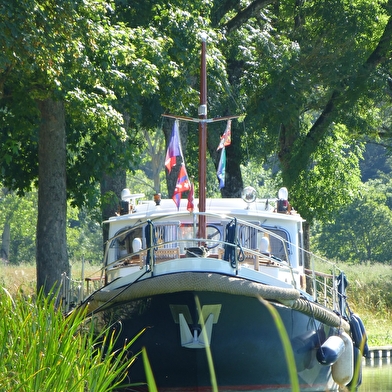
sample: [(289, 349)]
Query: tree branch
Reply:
[(337, 100), (251, 10)]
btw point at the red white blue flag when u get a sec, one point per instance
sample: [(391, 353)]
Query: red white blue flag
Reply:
[(183, 185), (174, 157), (226, 137), (191, 196), (174, 148)]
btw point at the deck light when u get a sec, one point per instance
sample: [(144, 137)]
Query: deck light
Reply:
[(157, 199), (283, 203), (125, 194), (249, 194), (136, 245)]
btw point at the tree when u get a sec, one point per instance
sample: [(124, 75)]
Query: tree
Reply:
[(359, 232), (18, 218), (301, 72), (304, 74), (52, 254), (57, 58), (322, 81)]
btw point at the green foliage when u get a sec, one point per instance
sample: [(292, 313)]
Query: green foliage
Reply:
[(44, 351), (260, 178), (369, 294), (309, 67), (118, 66), (332, 180), (84, 234), (21, 214), (149, 373), (360, 231), (71, 52)]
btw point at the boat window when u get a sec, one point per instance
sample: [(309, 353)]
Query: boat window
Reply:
[(123, 242), (277, 247), (189, 238), (248, 236), (167, 233)]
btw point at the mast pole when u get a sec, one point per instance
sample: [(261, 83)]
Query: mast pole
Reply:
[(203, 138)]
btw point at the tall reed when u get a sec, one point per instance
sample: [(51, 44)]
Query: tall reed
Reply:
[(43, 351)]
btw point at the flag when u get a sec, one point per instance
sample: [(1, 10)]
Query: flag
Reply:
[(226, 137), (190, 205), (183, 185), (174, 148), (173, 159), (221, 172)]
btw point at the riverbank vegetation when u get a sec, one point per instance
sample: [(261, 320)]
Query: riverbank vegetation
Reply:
[(370, 295), (44, 351)]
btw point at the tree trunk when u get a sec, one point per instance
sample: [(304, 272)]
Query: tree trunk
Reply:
[(52, 258), (111, 187), (6, 235), (156, 149), (5, 242), (233, 184), (307, 259)]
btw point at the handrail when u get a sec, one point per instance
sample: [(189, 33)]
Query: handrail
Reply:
[(319, 280)]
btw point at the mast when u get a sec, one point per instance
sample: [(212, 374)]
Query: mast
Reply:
[(202, 120), (203, 138)]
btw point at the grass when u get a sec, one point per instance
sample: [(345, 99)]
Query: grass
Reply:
[(22, 278), (370, 295)]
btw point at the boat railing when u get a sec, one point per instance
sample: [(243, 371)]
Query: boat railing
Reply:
[(322, 281), (321, 285), (165, 251), (243, 235), (167, 238)]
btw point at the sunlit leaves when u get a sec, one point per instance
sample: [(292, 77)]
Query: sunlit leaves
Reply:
[(119, 67), (332, 180), (360, 230), (84, 237)]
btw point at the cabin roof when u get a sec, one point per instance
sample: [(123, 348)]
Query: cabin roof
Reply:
[(225, 206)]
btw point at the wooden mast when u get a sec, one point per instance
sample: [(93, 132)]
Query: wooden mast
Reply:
[(203, 139), (202, 120)]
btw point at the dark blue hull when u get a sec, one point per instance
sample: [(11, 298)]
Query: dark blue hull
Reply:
[(245, 346)]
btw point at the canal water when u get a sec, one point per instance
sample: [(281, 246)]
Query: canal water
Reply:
[(376, 375)]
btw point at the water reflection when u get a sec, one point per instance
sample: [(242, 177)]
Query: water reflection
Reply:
[(377, 375)]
